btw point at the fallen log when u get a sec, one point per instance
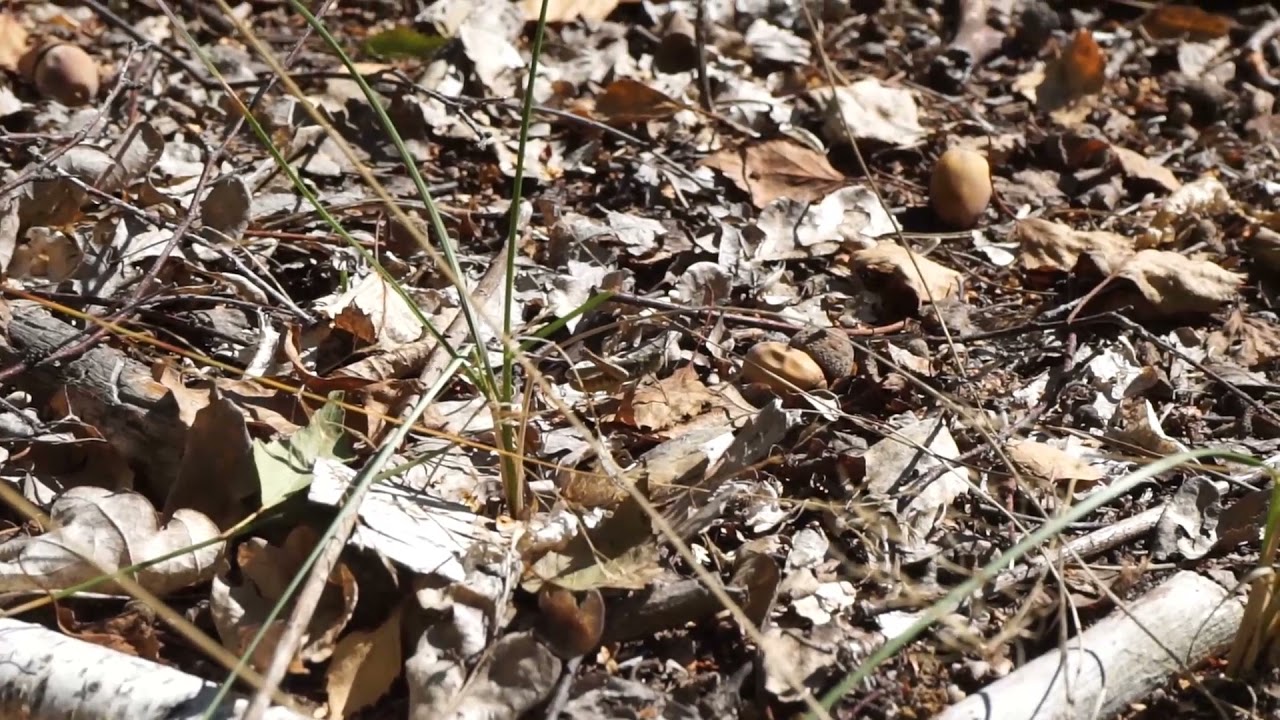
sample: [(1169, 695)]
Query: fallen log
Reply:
[(104, 388), (1118, 661), (48, 676)]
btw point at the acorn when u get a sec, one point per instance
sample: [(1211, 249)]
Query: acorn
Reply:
[(782, 369), (67, 74), (960, 188)]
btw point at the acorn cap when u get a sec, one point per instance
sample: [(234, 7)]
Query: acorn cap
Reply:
[(831, 349)]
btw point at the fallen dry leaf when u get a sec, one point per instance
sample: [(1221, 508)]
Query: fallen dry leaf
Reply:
[(928, 280), (1251, 341), (620, 552), (265, 571), (1079, 70), (1173, 283), (630, 101), (132, 632), (1047, 245), (910, 453), (1137, 167), (115, 529), (776, 169), (364, 665), (1177, 21), (217, 477), (1136, 424), (562, 11), (870, 110), (373, 313), (657, 405), (1051, 465), (1199, 198), (13, 42)]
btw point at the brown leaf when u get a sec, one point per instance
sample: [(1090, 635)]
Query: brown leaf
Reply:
[(630, 101), (1173, 283), (217, 477), (1189, 21), (618, 553), (113, 530), (1048, 464), (13, 42), (365, 664), (1136, 424), (757, 574), (571, 628), (930, 282), (131, 632), (292, 347), (1078, 71), (561, 11), (1047, 245), (778, 168), (1253, 341), (1137, 167), (657, 405), (265, 572), (373, 313)]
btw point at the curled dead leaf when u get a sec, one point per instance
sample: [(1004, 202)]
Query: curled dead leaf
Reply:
[(365, 664), (628, 101), (1079, 70), (13, 42), (1172, 283), (114, 530), (1143, 171), (925, 279), (239, 610), (569, 626)]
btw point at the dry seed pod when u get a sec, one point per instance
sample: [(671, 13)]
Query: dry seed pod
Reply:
[(960, 188), (67, 74), (783, 369), (570, 629), (831, 349)]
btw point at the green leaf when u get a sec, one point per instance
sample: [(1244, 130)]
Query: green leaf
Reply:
[(403, 41), (287, 465)]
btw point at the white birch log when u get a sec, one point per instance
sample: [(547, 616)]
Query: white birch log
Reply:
[(45, 675), (1115, 662)]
